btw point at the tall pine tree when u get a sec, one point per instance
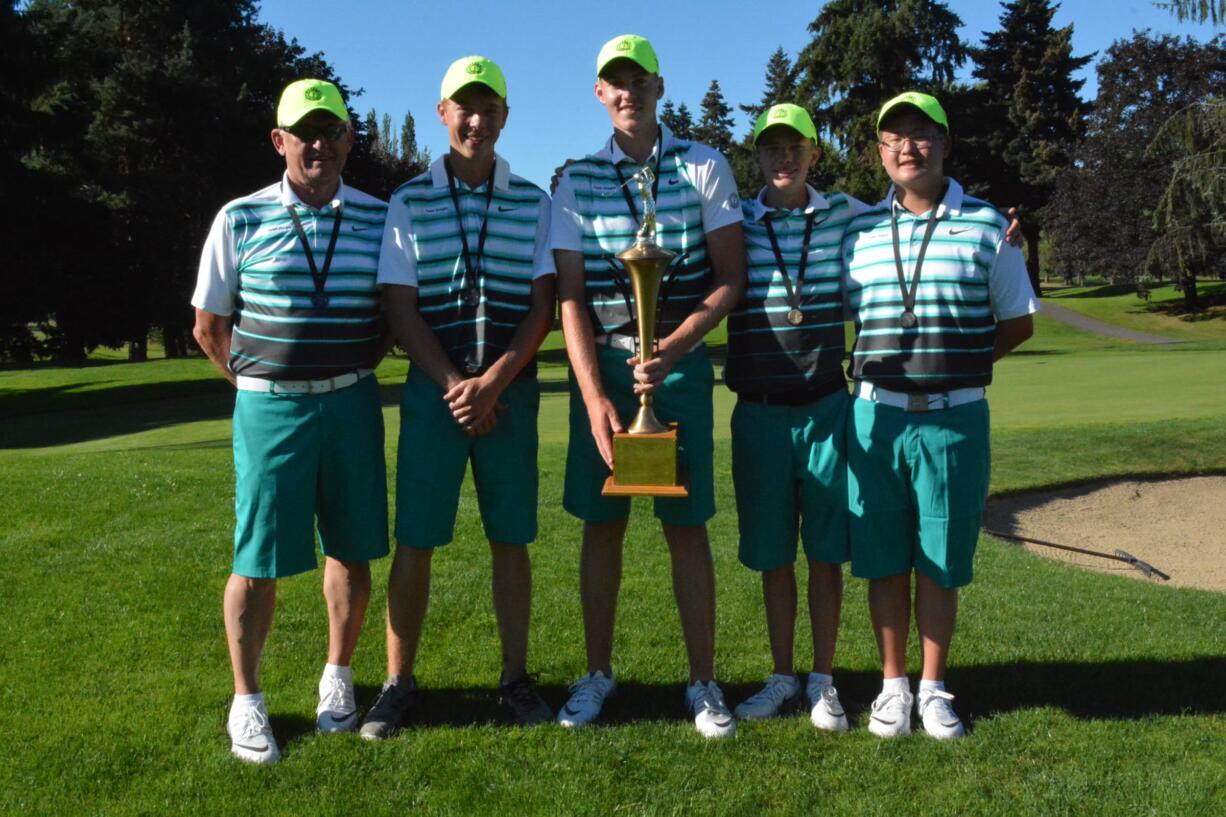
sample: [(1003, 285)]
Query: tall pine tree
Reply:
[(1025, 117), (715, 125)]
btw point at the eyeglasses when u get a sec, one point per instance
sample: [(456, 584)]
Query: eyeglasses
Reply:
[(330, 133), (921, 141)]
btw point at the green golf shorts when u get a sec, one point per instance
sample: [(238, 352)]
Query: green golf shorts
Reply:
[(298, 458), (434, 453), (789, 467), (685, 398), (916, 485)]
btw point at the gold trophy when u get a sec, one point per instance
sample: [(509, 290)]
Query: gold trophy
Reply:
[(645, 457)]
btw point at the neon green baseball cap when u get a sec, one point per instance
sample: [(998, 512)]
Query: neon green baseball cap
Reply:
[(927, 105), (628, 47), (305, 95), (789, 115), (467, 70)]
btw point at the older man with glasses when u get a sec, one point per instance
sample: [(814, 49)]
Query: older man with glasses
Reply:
[(288, 310)]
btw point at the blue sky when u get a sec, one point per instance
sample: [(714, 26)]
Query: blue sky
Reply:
[(398, 51)]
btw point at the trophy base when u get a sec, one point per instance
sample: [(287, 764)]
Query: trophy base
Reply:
[(645, 465)]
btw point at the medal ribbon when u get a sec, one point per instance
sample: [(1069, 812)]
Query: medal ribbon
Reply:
[(318, 276), (908, 296), (470, 270), (794, 295)]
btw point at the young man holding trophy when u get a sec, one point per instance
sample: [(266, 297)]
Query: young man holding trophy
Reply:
[(600, 210), (468, 286)]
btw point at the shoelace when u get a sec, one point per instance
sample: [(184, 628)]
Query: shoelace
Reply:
[(254, 722), (940, 699), (777, 689), (709, 697), (521, 692), (831, 699), (336, 698), (893, 703), (390, 696), (584, 691)]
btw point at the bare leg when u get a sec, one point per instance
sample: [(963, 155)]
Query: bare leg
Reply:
[(779, 596), (694, 589), (347, 592), (512, 590), (247, 607), (408, 595), (825, 606), (936, 611), (600, 578), (889, 605)]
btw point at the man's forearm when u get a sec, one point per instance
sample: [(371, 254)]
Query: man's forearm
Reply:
[(1010, 334), (212, 334), (711, 310), (581, 349)]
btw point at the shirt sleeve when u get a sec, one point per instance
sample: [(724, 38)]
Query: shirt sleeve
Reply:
[(542, 254), (565, 223), (712, 176), (397, 255), (217, 278), (1009, 284)]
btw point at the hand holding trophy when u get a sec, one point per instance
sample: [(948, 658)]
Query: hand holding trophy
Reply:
[(645, 456)]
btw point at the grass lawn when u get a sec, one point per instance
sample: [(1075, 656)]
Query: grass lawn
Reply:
[(1086, 693), (1118, 304)]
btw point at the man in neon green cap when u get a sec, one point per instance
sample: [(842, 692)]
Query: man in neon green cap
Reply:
[(938, 295), (468, 282), (595, 216), (287, 309), (785, 362)]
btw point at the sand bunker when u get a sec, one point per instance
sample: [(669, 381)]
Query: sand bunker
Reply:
[(1177, 525)]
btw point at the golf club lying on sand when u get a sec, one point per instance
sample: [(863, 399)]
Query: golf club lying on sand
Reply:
[(1119, 555)]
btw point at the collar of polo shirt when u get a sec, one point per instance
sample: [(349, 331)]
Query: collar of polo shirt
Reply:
[(816, 202), (289, 197), (951, 204), (502, 174), (612, 151)]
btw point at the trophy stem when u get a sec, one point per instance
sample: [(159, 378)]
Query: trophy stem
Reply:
[(646, 422)]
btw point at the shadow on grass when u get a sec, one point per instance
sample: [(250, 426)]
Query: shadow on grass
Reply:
[(1108, 690), (78, 396)]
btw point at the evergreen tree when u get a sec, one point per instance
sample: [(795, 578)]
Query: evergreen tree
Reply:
[(668, 115), (715, 126), (685, 123), (1198, 10), (780, 85), (1025, 118), (862, 53)]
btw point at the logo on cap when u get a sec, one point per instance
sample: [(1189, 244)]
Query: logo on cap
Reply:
[(779, 113), (624, 45), (475, 68), (313, 94)]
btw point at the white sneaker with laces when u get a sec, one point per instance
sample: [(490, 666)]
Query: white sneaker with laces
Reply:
[(891, 714), (781, 693), (251, 737), (825, 710), (938, 716), (587, 696), (337, 711), (711, 716)]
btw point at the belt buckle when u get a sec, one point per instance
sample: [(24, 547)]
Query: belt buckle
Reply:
[(917, 402)]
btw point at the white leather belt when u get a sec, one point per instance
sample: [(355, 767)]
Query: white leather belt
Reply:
[(910, 401), (623, 342), (320, 386)]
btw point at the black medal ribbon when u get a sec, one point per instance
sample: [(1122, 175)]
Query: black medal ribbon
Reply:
[(655, 184), (472, 294), (319, 298), (908, 319), (795, 316)]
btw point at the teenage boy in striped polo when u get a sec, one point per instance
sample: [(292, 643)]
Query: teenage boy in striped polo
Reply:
[(785, 362), (938, 296), (287, 309), (468, 281), (596, 212)]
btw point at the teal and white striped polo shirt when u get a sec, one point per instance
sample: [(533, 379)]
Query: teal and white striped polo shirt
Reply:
[(253, 267), (766, 354), (970, 280), (422, 249), (696, 195)]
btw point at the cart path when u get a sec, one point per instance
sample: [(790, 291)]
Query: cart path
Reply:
[(1086, 324)]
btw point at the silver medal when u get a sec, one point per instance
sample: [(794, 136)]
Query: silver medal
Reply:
[(908, 320), (795, 316)]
